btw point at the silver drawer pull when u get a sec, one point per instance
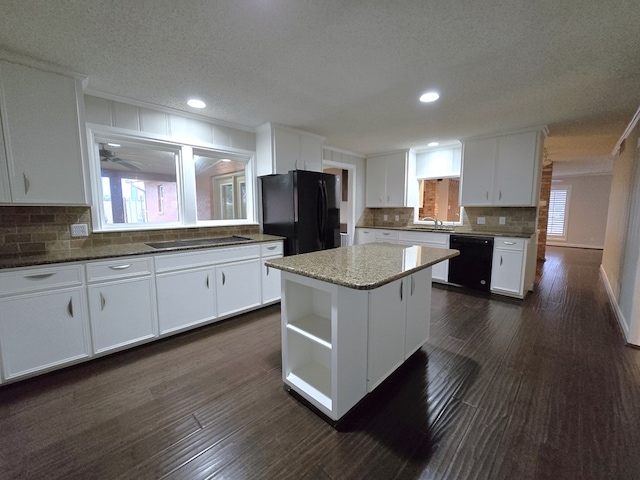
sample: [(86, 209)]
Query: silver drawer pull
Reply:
[(509, 243), (120, 267), (272, 247), (40, 276)]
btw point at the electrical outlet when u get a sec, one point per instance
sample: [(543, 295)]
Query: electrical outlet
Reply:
[(502, 220), (79, 230), (385, 218), (397, 218), (481, 220)]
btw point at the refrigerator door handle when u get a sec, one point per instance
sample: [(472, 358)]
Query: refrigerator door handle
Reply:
[(320, 218)]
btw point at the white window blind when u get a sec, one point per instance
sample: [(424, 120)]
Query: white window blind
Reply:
[(558, 204)]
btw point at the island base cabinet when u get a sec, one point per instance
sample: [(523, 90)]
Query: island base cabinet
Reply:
[(324, 352), (43, 331), (122, 313), (418, 310), (185, 299)]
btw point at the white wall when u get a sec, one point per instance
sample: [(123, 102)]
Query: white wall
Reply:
[(588, 209), (621, 257)]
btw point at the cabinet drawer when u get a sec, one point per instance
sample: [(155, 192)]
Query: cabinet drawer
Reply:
[(387, 235), (270, 249), (433, 239), (118, 268), (202, 257), (503, 243), (35, 279)]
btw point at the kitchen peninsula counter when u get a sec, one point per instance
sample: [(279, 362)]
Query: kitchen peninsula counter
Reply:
[(451, 230), (350, 317)]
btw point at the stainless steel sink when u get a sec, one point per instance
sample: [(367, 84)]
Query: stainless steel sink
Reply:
[(427, 228), (197, 242)]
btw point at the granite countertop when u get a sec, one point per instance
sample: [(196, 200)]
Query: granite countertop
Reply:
[(451, 231), (124, 250), (363, 267)]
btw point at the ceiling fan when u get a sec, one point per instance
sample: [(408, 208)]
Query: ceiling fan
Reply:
[(110, 156)]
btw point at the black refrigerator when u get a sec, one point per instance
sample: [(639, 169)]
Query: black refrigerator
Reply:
[(304, 207)]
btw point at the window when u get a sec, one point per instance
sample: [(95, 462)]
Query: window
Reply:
[(145, 183), (558, 212)]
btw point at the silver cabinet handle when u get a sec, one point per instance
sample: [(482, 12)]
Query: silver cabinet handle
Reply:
[(40, 276), (487, 195), (273, 247), (70, 307), (224, 279), (509, 243), (27, 183), (401, 285), (500, 259), (103, 302), (499, 194), (413, 285), (386, 233), (207, 282), (120, 267), (267, 270)]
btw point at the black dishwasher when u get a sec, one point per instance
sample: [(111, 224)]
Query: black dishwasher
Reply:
[(472, 268)]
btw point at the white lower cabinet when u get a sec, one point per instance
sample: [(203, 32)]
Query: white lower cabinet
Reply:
[(237, 286), (365, 235), (121, 303), (271, 286), (43, 331), (43, 319), (509, 265), (440, 271), (185, 298)]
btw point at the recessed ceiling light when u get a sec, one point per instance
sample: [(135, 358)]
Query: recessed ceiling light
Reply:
[(225, 159), (113, 144), (195, 103), (429, 97), (432, 144)]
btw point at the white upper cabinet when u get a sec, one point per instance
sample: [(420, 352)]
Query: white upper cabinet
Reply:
[(40, 114), (502, 171), (391, 180), (280, 149), (439, 163)]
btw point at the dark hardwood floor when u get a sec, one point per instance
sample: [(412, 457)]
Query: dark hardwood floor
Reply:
[(505, 389)]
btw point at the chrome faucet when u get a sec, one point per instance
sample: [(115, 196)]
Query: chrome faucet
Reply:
[(433, 219)]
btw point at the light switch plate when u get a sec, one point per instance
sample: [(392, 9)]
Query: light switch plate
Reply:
[(502, 220), (385, 218), (397, 218), (481, 220), (79, 230)]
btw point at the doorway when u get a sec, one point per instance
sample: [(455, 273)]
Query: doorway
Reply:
[(347, 174)]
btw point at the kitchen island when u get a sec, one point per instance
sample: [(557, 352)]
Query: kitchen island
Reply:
[(350, 317)]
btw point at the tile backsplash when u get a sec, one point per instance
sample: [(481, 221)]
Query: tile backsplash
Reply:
[(517, 219), (40, 229)]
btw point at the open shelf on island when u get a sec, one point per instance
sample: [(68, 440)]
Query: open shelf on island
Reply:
[(314, 327), (314, 380)]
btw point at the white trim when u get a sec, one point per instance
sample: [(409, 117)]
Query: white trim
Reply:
[(345, 152), (614, 305), (168, 110), (351, 188), (543, 129), (574, 245), (41, 65), (632, 124)]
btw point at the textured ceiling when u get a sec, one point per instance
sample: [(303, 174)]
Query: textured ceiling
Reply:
[(352, 70)]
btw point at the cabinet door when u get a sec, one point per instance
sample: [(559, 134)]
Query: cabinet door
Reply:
[(271, 287), (42, 136), (478, 168), (396, 180), (506, 273), (41, 331), (376, 181), (387, 312), (185, 299), (5, 193), (516, 170), (311, 153), (122, 313), (418, 310), (286, 150), (237, 286)]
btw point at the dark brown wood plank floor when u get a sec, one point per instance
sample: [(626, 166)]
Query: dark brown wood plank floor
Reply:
[(505, 389)]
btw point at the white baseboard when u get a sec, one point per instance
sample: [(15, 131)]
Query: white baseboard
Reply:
[(614, 303), (575, 245)]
